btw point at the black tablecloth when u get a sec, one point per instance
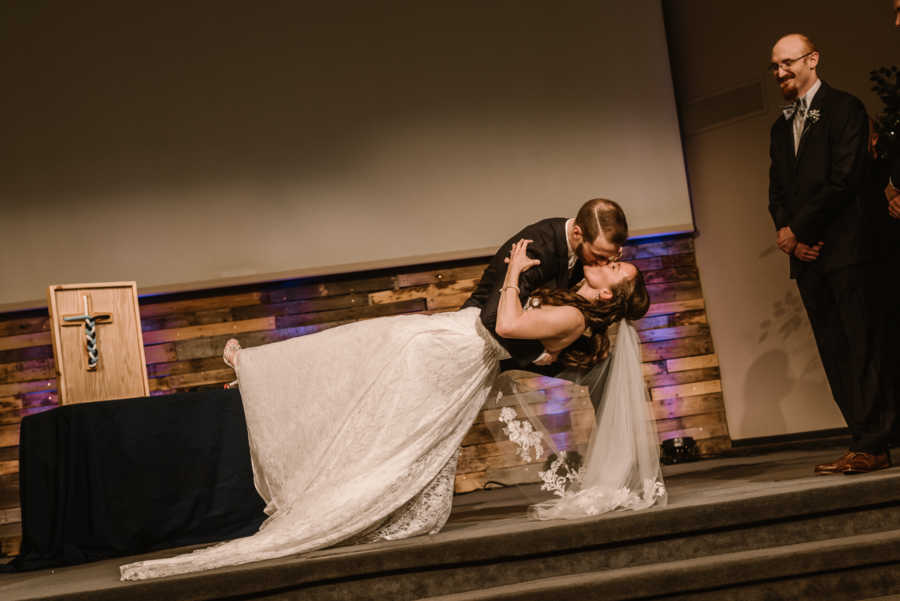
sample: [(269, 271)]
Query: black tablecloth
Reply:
[(124, 477)]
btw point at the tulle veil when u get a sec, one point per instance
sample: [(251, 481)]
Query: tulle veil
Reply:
[(621, 468)]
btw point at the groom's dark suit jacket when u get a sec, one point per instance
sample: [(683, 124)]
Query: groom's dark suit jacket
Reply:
[(549, 246), (819, 193)]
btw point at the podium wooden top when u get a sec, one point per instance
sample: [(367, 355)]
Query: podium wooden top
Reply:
[(93, 286)]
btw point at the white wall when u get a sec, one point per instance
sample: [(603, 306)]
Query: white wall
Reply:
[(772, 378)]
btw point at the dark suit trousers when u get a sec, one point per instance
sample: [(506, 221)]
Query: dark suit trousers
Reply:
[(848, 321)]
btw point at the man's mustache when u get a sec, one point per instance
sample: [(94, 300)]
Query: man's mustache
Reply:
[(785, 78)]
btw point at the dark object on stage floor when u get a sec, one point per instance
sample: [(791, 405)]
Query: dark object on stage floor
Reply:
[(124, 477), (679, 450)]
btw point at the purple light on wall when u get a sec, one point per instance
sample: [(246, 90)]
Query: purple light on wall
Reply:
[(557, 400), (563, 440)]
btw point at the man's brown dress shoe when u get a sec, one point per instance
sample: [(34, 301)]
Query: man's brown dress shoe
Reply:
[(862, 463), (838, 466)]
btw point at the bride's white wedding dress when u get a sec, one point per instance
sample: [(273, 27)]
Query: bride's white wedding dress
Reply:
[(354, 434)]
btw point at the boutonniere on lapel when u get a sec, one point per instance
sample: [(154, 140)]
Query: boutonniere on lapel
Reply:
[(813, 115)]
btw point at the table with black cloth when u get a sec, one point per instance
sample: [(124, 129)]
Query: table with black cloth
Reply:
[(125, 477)]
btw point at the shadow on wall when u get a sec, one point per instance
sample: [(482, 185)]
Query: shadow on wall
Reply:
[(763, 404), (788, 318), (772, 381)]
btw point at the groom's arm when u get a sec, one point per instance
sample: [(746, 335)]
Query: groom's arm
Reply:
[(529, 281)]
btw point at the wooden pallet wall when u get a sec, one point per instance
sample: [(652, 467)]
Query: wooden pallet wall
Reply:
[(184, 336)]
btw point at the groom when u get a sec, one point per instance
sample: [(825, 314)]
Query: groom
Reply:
[(594, 236), (819, 159)]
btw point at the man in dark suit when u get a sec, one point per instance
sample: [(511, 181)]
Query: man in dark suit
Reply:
[(816, 199), (563, 246)]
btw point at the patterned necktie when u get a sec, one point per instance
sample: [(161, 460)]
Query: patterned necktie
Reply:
[(798, 110)]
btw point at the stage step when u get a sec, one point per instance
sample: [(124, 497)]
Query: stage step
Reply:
[(849, 568), (801, 535), (753, 529)]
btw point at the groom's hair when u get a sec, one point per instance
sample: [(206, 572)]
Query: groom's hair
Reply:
[(602, 215)]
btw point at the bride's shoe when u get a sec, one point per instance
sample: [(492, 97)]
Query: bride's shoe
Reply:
[(229, 355)]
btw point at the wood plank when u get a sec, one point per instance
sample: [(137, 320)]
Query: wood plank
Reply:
[(200, 348), (682, 377), (448, 302), (28, 405), (674, 291), (706, 425), (682, 390), (672, 349), (647, 264), (660, 334), (192, 380), (429, 291), (369, 311), (26, 387), (441, 276), (23, 371), (39, 398), (687, 363), (464, 483), (24, 341), (690, 405), (148, 308), (10, 545), (12, 515), (9, 467), (27, 325), (220, 329), (174, 368), (26, 354), (662, 308), (671, 320), (9, 436), (669, 246), (9, 491), (183, 320), (160, 353), (312, 305), (672, 274), (714, 445), (10, 403), (664, 261), (652, 368), (327, 288)]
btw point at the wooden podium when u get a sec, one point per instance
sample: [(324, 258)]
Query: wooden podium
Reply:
[(97, 342)]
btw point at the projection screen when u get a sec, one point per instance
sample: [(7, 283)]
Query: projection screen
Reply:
[(228, 142)]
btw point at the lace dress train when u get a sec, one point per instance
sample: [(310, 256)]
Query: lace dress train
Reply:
[(354, 434)]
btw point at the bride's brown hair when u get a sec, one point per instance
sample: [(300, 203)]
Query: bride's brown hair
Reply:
[(630, 300)]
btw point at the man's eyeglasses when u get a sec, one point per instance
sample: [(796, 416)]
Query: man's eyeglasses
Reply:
[(786, 63)]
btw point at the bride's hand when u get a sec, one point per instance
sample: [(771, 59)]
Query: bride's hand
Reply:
[(518, 259)]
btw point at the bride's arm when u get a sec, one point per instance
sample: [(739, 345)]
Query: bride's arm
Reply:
[(548, 324)]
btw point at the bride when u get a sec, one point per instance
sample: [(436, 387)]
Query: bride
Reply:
[(354, 431)]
